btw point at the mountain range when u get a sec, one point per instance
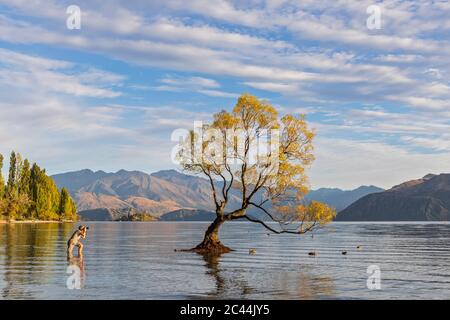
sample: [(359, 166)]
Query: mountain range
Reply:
[(425, 199), (340, 199), (173, 194), (155, 194)]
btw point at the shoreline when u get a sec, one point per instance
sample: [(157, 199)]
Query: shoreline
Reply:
[(33, 221)]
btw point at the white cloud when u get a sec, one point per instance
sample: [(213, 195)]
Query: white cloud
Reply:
[(205, 86), (194, 82), (287, 88), (43, 112), (258, 62), (261, 45), (35, 73), (349, 164), (423, 103), (218, 93), (438, 144)]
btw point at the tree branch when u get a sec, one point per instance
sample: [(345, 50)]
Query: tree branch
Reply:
[(279, 231), (212, 186)]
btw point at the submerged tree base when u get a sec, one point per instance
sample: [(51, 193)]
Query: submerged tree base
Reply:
[(208, 248), (211, 243), (212, 247)]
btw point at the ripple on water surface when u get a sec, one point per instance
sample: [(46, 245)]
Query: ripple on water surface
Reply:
[(137, 261)]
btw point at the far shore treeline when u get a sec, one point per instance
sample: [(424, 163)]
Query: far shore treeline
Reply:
[(30, 194)]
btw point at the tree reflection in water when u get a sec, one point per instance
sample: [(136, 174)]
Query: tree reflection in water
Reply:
[(245, 283), (25, 246), (224, 284)]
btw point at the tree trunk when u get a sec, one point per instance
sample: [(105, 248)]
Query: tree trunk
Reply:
[(211, 242)]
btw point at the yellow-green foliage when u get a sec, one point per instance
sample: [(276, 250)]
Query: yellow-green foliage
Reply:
[(31, 194), (221, 151), (67, 207)]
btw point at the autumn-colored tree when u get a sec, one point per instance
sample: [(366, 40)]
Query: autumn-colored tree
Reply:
[(228, 152), (17, 206)]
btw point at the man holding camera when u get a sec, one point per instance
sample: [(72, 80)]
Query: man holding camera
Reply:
[(75, 241)]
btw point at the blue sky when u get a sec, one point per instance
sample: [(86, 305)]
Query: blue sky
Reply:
[(109, 95)]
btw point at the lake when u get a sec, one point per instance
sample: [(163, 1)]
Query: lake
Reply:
[(136, 260)]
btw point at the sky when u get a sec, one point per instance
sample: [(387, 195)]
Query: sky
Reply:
[(107, 96)]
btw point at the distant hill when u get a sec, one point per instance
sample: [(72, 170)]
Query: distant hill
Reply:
[(340, 199), (105, 214), (188, 215), (76, 180), (425, 199), (166, 192), (101, 214)]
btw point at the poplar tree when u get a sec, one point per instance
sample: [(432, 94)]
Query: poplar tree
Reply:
[(25, 178), (73, 206), (2, 189), (2, 181), (11, 185), (65, 207)]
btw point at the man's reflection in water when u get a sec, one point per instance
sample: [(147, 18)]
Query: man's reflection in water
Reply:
[(76, 272)]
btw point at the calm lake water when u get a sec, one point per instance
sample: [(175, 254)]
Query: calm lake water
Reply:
[(125, 260)]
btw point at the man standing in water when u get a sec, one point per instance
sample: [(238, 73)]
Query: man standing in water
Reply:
[(75, 241)]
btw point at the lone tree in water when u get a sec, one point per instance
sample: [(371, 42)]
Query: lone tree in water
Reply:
[(229, 153)]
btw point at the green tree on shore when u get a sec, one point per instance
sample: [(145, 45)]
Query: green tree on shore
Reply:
[(15, 204), (67, 208), (45, 196), (31, 194), (2, 189), (2, 181), (24, 178), (11, 186)]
